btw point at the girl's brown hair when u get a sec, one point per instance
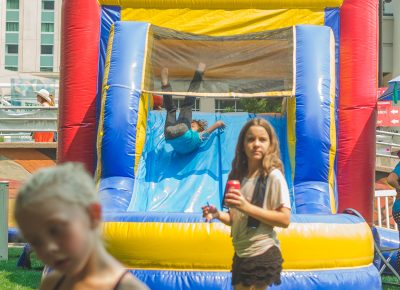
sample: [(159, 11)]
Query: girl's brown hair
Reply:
[(271, 159), (202, 124)]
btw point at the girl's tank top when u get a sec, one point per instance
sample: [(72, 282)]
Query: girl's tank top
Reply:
[(59, 283)]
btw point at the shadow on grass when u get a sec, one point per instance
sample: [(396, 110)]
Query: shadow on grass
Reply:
[(12, 277)]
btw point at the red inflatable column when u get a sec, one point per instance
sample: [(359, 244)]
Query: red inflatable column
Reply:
[(357, 105), (78, 79)]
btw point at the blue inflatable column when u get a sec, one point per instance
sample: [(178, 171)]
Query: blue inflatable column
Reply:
[(119, 117), (313, 120)]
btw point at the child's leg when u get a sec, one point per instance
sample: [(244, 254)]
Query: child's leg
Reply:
[(172, 129), (169, 106), (167, 99), (185, 115)]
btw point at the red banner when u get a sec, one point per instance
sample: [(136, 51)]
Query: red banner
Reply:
[(388, 114)]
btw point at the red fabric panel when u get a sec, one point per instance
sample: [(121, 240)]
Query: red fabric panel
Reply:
[(78, 81), (357, 105)]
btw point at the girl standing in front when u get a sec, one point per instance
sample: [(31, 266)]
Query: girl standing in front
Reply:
[(59, 214), (261, 204)]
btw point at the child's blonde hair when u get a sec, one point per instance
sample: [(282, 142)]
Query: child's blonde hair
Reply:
[(69, 182), (271, 160)]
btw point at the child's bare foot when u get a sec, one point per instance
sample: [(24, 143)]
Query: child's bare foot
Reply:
[(201, 67), (164, 76)]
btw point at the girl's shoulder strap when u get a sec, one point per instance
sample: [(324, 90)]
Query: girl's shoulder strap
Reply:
[(59, 282), (120, 279), (258, 199)]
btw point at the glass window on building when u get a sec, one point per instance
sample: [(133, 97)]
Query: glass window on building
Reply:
[(12, 26), (228, 105), (12, 48), (387, 8), (13, 68), (46, 69), (179, 102), (46, 49), (12, 4), (47, 27), (47, 5)]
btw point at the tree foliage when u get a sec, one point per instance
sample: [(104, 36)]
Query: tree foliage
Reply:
[(261, 105)]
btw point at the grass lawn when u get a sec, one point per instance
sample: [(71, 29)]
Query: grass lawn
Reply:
[(13, 278), (388, 282)]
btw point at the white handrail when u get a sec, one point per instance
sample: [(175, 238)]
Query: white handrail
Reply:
[(386, 194)]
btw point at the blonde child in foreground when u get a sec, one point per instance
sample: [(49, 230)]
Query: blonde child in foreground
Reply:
[(59, 214), (261, 204)]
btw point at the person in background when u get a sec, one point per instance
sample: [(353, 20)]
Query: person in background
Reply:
[(185, 135), (59, 214), (393, 180), (261, 204), (46, 100)]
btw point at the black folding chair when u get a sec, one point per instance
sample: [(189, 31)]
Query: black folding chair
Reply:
[(379, 251)]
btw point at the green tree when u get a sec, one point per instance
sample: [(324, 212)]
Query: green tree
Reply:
[(261, 105)]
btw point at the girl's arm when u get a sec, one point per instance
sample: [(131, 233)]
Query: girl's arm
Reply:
[(215, 126), (210, 212), (393, 180), (279, 217), (224, 217)]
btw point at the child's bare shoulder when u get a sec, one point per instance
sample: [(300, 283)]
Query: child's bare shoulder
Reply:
[(130, 282), (50, 281)]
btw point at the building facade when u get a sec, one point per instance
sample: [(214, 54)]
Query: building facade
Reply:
[(30, 36)]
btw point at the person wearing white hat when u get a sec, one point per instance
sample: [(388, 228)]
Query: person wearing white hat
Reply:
[(44, 98)]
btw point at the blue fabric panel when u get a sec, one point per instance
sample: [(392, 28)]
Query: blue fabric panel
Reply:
[(174, 280), (122, 101), (109, 14), (150, 217), (279, 123), (115, 193), (119, 139), (385, 238), (312, 112), (349, 279), (332, 19), (167, 181), (170, 182), (314, 200)]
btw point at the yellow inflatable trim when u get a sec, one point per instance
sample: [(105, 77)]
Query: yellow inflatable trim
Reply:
[(224, 22), (104, 90), (224, 4), (208, 246), (332, 131)]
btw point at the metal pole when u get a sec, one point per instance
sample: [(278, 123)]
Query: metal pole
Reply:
[(3, 220)]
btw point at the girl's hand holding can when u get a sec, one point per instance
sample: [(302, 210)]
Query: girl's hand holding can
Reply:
[(234, 198), (210, 212)]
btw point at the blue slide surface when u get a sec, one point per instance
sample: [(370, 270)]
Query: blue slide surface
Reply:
[(167, 181)]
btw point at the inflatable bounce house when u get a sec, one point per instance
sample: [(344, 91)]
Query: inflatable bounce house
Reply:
[(318, 56)]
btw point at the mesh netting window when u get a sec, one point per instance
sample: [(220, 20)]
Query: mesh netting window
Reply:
[(254, 65)]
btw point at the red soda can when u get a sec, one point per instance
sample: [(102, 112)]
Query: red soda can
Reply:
[(235, 184), (230, 184)]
